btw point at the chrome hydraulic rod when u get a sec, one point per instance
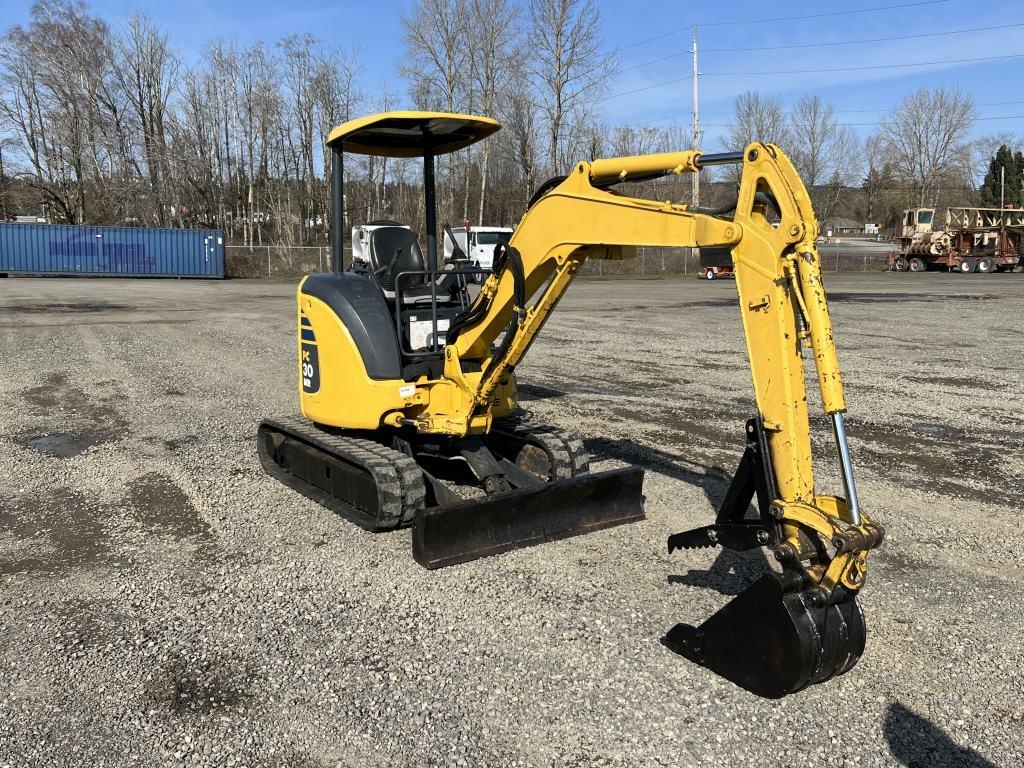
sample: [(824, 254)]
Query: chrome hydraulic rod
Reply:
[(846, 467)]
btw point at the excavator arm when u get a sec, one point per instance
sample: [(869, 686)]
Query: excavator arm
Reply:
[(806, 618)]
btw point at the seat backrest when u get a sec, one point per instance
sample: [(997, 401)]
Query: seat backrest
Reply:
[(384, 242)]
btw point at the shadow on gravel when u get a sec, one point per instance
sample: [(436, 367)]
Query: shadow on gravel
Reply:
[(712, 480), (731, 572), (918, 743)]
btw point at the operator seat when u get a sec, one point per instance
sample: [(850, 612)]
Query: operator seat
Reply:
[(394, 250)]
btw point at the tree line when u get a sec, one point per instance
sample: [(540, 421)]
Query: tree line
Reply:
[(104, 123)]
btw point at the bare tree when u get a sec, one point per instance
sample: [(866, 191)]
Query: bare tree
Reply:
[(520, 118), (927, 138), (492, 25), (146, 69), (827, 154), (569, 65), (437, 63), (757, 118)]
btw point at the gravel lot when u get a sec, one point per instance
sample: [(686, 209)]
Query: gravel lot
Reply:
[(163, 601)]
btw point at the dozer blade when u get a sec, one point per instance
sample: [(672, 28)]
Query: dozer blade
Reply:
[(773, 643), (487, 526)]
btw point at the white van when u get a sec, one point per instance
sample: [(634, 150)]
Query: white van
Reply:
[(482, 240)]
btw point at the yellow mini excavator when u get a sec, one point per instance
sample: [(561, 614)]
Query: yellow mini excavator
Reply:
[(408, 393)]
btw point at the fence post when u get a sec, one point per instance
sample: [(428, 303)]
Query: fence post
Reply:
[(320, 254), (269, 273)]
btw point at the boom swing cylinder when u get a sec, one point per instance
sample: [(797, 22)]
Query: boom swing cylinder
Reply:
[(386, 418)]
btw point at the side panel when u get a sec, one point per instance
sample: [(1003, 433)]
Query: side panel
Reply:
[(334, 386), (359, 305), (53, 249)]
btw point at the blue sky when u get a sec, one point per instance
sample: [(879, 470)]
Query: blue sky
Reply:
[(860, 95)]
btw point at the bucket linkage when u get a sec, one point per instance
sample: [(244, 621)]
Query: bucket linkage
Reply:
[(784, 632)]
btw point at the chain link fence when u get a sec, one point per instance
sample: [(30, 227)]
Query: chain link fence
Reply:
[(277, 261), (286, 262)]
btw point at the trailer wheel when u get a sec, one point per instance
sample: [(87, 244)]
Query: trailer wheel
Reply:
[(984, 264), (900, 265), (966, 266), (709, 273), (917, 265)]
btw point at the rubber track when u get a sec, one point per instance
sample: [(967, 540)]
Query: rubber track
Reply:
[(398, 478), (567, 452)]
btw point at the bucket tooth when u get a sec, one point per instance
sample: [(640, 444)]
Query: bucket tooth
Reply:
[(774, 643), (490, 525)]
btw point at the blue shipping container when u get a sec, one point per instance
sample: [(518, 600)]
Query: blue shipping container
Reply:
[(55, 249)]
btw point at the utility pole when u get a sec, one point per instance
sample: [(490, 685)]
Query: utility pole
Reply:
[(696, 121), (1002, 193)]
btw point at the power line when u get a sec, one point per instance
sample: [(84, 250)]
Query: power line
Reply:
[(823, 45), (999, 117), (781, 18), (866, 67), (818, 69), (647, 88), (860, 111)]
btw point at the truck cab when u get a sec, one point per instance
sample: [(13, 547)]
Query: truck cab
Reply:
[(917, 220), (477, 243)]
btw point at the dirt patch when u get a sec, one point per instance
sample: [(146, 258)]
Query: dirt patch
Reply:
[(86, 623), (160, 506), (682, 426), (956, 382), (55, 533), (534, 392), (939, 458), (74, 421), (74, 308), (882, 297), (199, 685), (175, 444)]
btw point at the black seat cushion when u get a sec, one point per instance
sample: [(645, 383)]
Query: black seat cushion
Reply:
[(385, 243)]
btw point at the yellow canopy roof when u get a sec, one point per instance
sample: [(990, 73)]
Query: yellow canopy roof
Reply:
[(408, 134)]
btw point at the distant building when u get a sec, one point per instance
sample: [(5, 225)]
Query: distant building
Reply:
[(841, 226)]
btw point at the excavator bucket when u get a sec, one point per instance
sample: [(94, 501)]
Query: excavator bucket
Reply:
[(475, 528), (774, 643), (778, 636)]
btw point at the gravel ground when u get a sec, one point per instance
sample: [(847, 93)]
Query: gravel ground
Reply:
[(163, 601)]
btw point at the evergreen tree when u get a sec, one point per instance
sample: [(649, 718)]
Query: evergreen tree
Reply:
[(1012, 164)]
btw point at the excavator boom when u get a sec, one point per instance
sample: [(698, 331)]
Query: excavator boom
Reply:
[(807, 617)]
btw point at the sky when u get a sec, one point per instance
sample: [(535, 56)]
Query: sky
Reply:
[(849, 59)]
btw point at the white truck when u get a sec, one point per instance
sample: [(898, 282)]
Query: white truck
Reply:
[(477, 243)]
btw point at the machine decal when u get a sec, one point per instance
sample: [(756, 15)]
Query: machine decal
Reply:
[(309, 360)]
